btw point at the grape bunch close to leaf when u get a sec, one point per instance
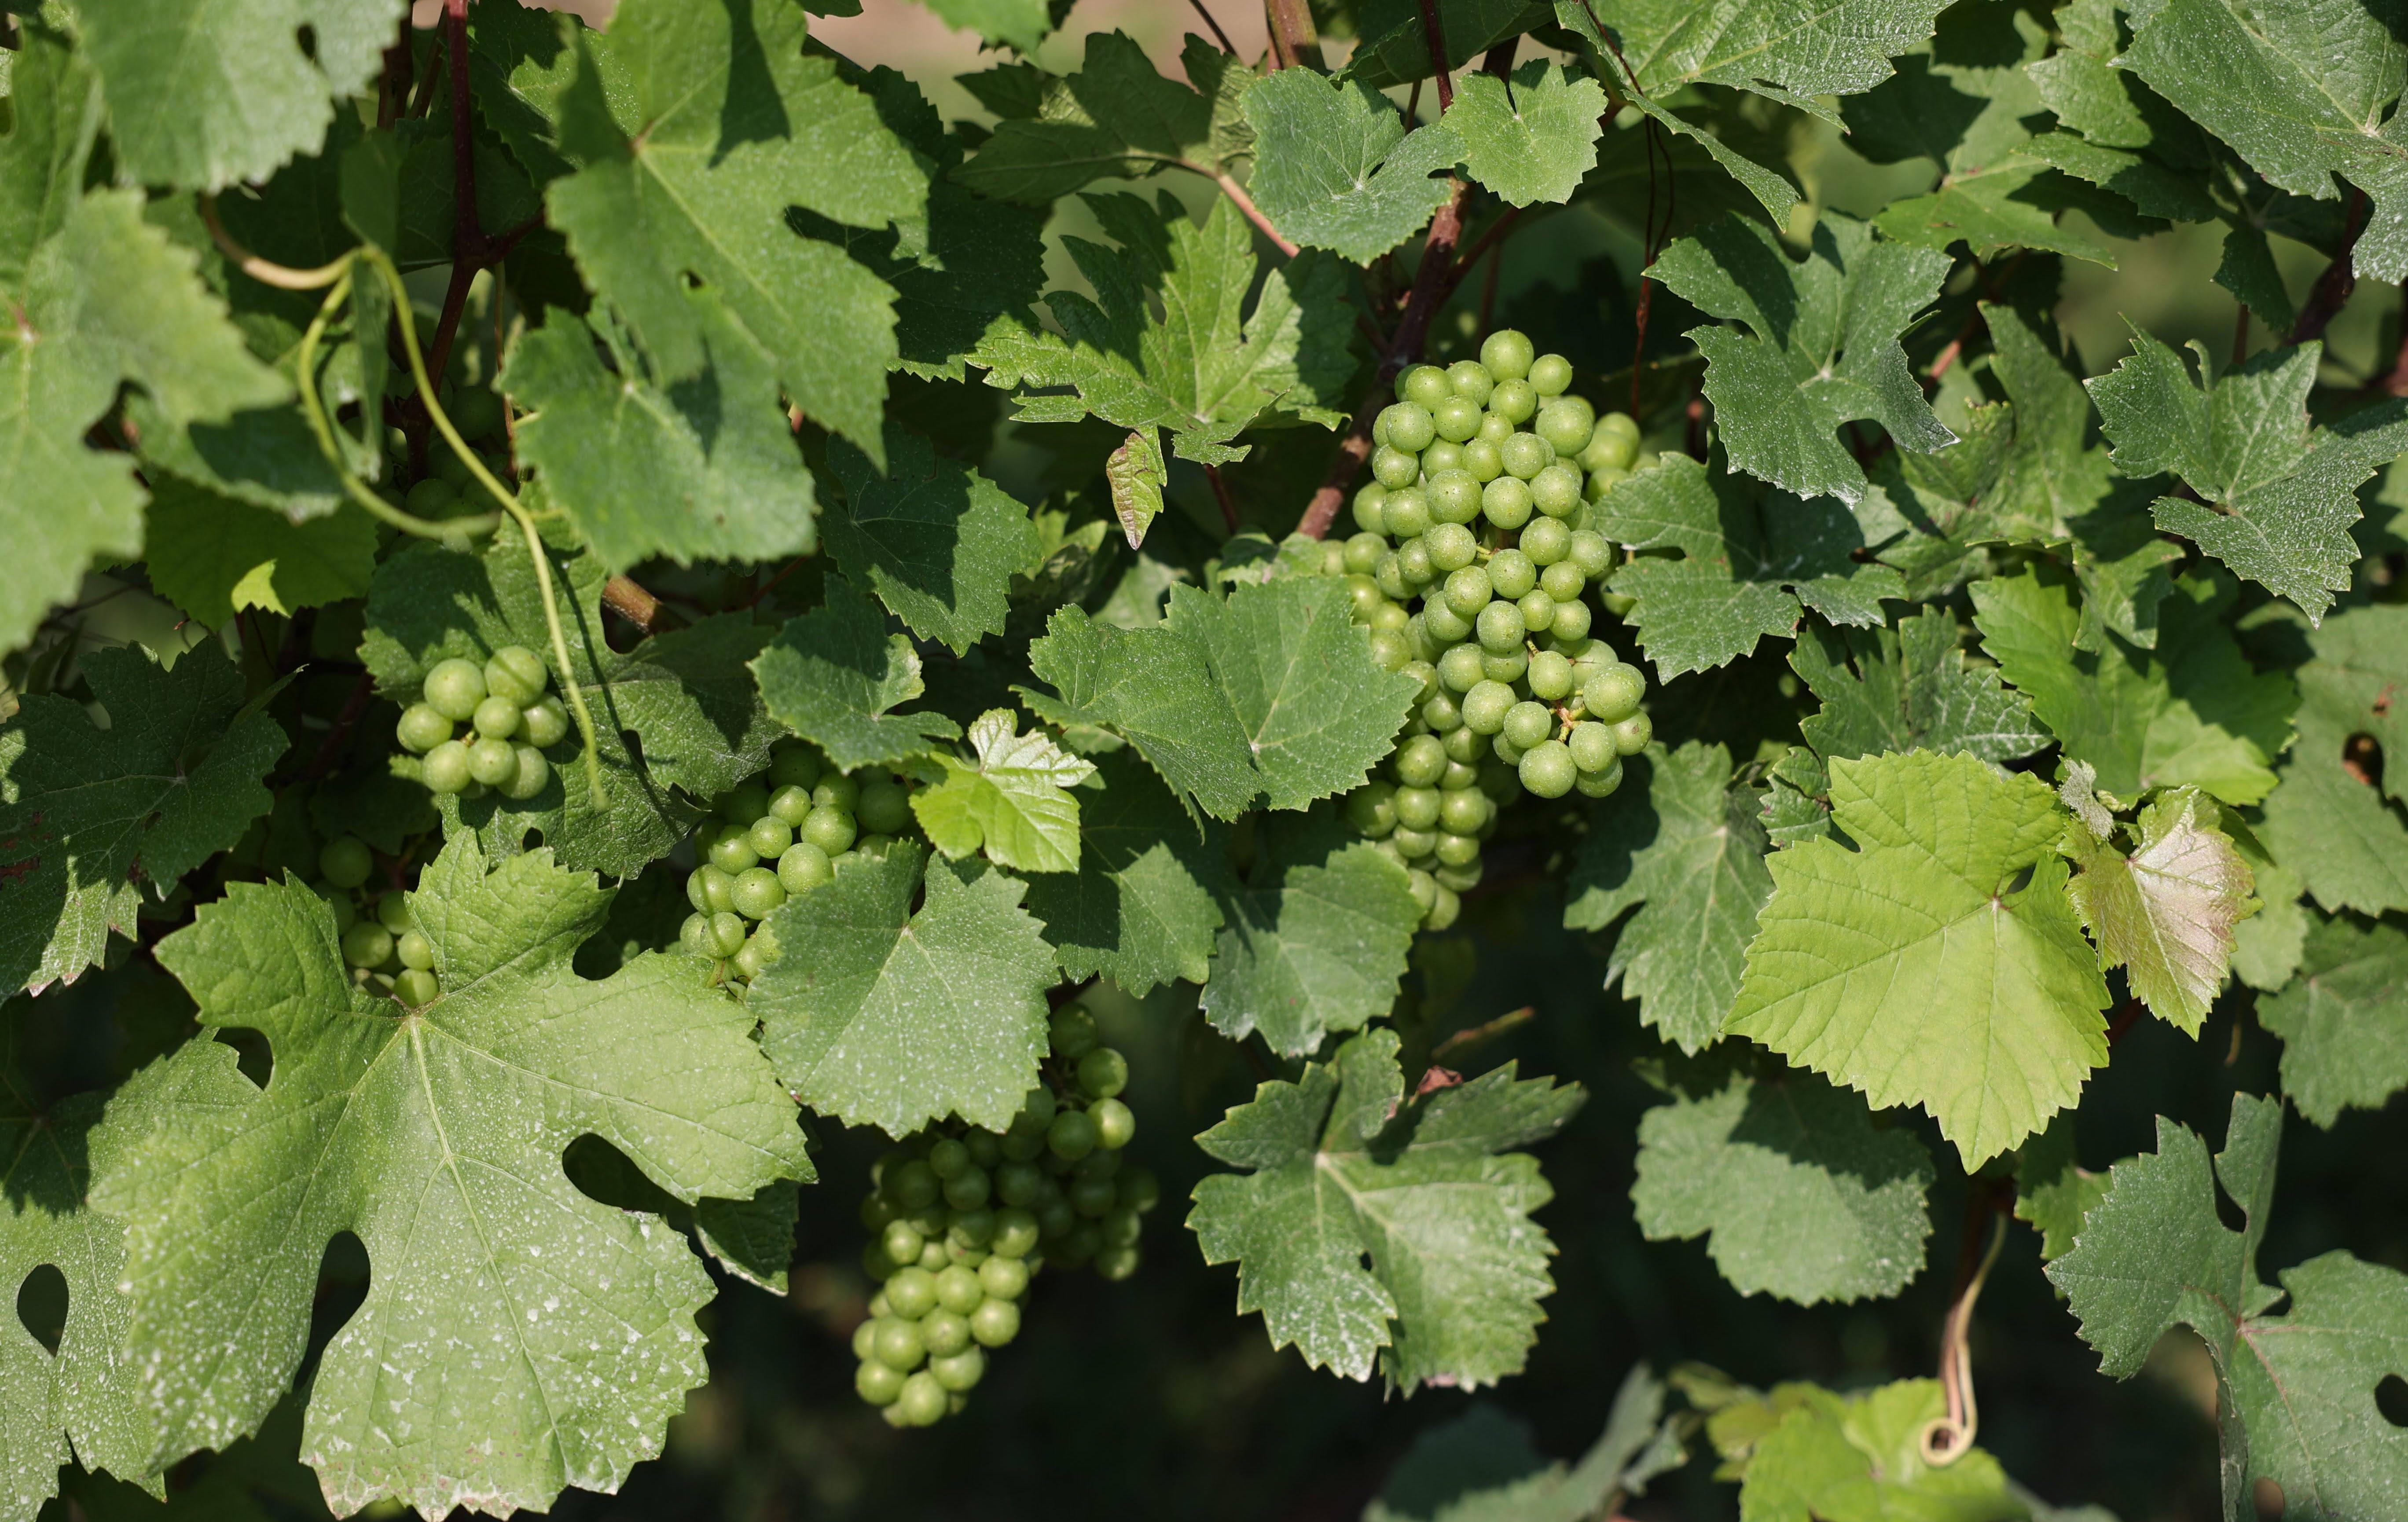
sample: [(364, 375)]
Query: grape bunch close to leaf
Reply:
[(1472, 572), (777, 835), (964, 1218), (511, 717), (381, 942)]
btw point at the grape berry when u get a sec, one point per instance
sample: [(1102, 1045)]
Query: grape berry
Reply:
[(511, 718), (381, 942)]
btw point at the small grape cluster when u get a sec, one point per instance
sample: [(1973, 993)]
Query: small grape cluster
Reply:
[(511, 717), (964, 1217), (449, 488), (381, 942), (1472, 571), (774, 836)]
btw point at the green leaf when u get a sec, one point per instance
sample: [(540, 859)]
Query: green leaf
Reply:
[(1914, 968), (1842, 1459), (1116, 116), (1532, 140), (736, 125), (1143, 903), (551, 1336), (1015, 23), (2054, 1192), (937, 541), (1480, 1467), (2279, 496), (700, 468), (1314, 941), (2189, 712), (1335, 168), (883, 1016), (1370, 1229), (698, 723), (2343, 1019), (1909, 689), (2081, 83), (1748, 561), (1823, 348), (2326, 820), (2268, 945), (1394, 47), (1137, 476), (87, 815), (211, 555), (1207, 369), (833, 675), (1679, 841), (2165, 912), (1799, 1196), (203, 96), (1772, 47), (1013, 800), (55, 114)]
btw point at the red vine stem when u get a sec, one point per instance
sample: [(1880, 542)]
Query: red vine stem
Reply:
[(1436, 33), (2333, 287)]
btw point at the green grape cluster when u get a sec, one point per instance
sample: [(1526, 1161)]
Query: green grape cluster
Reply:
[(774, 836), (511, 716), (963, 1217), (1473, 572), (382, 943)]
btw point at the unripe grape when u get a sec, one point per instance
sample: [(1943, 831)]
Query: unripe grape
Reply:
[(1440, 623), (1416, 807), (1091, 1197), (1455, 419), (694, 937), (934, 1257), (1538, 612), (416, 988), (1370, 811), (1019, 1183), (830, 828), (1003, 1278), (1452, 547), (1463, 811), (1481, 461), (1409, 512), (1551, 375), (710, 890), (1390, 649), (1424, 385), (1467, 379), (1563, 582), (1566, 427), (1414, 844), (1444, 909), (896, 1342), (1465, 878), (1389, 577), (1511, 573), (1571, 621), (422, 728), (544, 723), (1507, 667), (1073, 1135), (994, 1323), (792, 764), (340, 902), (1459, 667), (1484, 706), (758, 891), (1632, 735), (874, 1381), (1556, 492), (1452, 496), (1414, 564), (1363, 595), (1329, 558), (1419, 761), (346, 861), (912, 1294), (1121, 1229), (1507, 353), (1102, 1073), (969, 1189), (790, 806), (493, 762), (1393, 467), (1496, 427), (1071, 1032), (1506, 502), (414, 950), (943, 1332), (902, 1242), (1459, 777), (1614, 693), (1528, 723), (367, 944), (455, 688), (727, 933), (1513, 402), (1598, 784), (1526, 454), (1547, 541), (1550, 676), (1370, 514), (433, 497), (1547, 770), (1456, 850), (837, 791), (1592, 746), (1507, 752), (392, 912), (1140, 1190), (1015, 1234), (768, 835), (743, 804), (1612, 444), (1423, 888), (731, 853), (1443, 713), (957, 1288), (1501, 627), (1036, 1111), (1467, 591)]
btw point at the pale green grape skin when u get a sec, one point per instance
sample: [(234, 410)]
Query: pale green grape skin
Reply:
[(1015, 1234), (420, 728), (1511, 573), (392, 912), (959, 1372), (493, 762), (1487, 704), (1592, 747), (957, 1289), (877, 1384), (758, 891), (1455, 419), (1368, 514), (902, 1242), (532, 772), (1443, 713), (1371, 810), (994, 1323), (367, 944), (913, 1187), (1452, 547), (346, 915), (1592, 552), (346, 861), (1507, 353), (516, 675), (1453, 496), (445, 771), (497, 718), (1003, 1278), (744, 803), (1416, 808), (728, 933), (1526, 455), (1546, 542), (1113, 1122), (1632, 735), (969, 1189), (732, 853), (1506, 502), (1482, 461), (1073, 1135), (884, 809), (1410, 427), (1465, 811), (455, 688), (1562, 582), (1598, 784), (1393, 467), (1549, 375), (1102, 1073), (1538, 613), (1614, 693), (1513, 402), (546, 722), (415, 951), (415, 987), (1573, 620), (830, 828), (1424, 385), (1548, 770), (1441, 623), (1456, 850), (1420, 762), (1550, 676), (694, 937), (710, 890), (898, 1344), (944, 1333), (1363, 551), (790, 806), (768, 835), (910, 1295), (1072, 1033), (1501, 628), (948, 1158)]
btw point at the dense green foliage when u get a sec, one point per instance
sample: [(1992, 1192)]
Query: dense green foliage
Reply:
[(682, 718)]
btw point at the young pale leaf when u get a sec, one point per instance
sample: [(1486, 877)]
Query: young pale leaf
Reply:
[(1842, 1459), (553, 1337), (2189, 712), (2328, 820), (1370, 1229), (937, 541), (1335, 168), (1679, 841), (1013, 800), (2279, 496), (680, 194), (1749, 559), (211, 555), (1914, 968), (1532, 139), (87, 815), (1823, 348), (1799, 1197), (833, 675), (1314, 941), (1909, 689), (2165, 913), (1144, 901), (2343, 1019), (878, 1015), (1137, 476)]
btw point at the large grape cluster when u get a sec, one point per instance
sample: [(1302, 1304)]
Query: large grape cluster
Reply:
[(961, 1217), (381, 942), (511, 717), (1473, 573), (777, 835)]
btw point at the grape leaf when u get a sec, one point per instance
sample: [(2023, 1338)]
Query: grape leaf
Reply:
[(2276, 495), (1314, 940), (2296, 1392), (103, 299), (201, 97), (1909, 968), (1144, 901), (2343, 1019), (1370, 1229), (1116, 116), (1824, 347), (548, 1338), (1798, 1195), (890, 1017), (88, 814), (937, 541), (1909, 689), (1860, 1458), (1748, 560), (700, 468), (735, 122), (2054, 1192), (1335, 168), (1789, 52), (1137, 475), (2189, 712), (1199, 369), (2268, 945), (1016, 23), (1269, 691), (1530, 140), (833, 675), (1394, 47), (55, 114), (1013, 800), (211, 555), (2165, 912), (699, 725), (1480, 1467), (2326, 819), (1680, 842)]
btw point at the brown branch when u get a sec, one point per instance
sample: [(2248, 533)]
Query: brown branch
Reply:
[(1295, 41), (2333, 287), (1474, 1037), (1218, 35), (1245, 203), (1436, 33), (423, 102), (623, 597), (392, 91), (1221, 493)]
